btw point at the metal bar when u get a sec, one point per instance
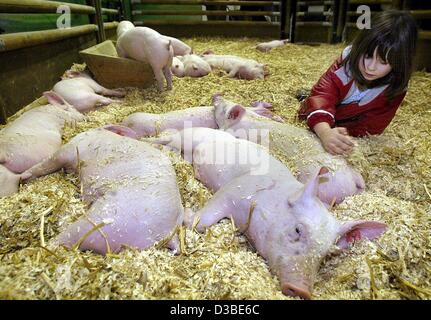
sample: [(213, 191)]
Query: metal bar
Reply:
[(110, 25), (341, 19), (13, 41), (425, 35), (283, 19), (208, 2), (292, 18), (99, 21), (179, 22), (204, 13), (314, 14), (370, 1), (39, 6), (109, 11), (421, 14), (314, 23), (315, 2)]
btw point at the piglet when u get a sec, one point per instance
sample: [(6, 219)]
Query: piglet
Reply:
[(32, 137), (297, 144), (177, 67), (150, 124), (195, 66), (123, 26), (268, 46), (131, 188), (237, 67), (180, 48), (145, 44), (282, 218), (81, 91)]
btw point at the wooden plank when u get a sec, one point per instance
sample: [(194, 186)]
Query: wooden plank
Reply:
[(39, 6), (206, 2), (13, 41), (203, 13)]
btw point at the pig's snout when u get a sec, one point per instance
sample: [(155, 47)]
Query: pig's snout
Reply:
[(295, 290)]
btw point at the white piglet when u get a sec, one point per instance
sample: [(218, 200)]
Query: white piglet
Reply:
[(237, 67), (147, 45), (195, 66), (82, 92), (123, 26), (177, 67), (268, 46)]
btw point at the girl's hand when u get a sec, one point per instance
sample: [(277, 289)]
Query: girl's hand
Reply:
[(334, 140)]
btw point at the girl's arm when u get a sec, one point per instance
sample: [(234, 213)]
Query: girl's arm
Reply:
[(334, 140), (320, 106)]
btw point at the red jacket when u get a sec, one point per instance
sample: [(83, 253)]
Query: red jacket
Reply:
[(371, 115)]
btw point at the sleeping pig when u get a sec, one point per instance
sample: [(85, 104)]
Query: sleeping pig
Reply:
[(131, 188), (297, 144), (32, 137), (81, 91), (282, 218)]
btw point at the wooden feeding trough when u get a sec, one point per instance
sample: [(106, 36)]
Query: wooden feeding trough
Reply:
[(112, 71)]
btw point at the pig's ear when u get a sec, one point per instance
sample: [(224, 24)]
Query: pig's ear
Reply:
[(72, 74), (312, 186), (121, 130), (235, 113), (356, 230), (217, 98), (55, 99), (194, 67)]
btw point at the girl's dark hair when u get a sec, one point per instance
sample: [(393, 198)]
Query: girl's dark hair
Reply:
[(394, 34)]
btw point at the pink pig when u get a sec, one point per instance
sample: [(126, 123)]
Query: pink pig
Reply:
[(268, 46), (150, 124), (85, 94), (32, 137), (147, 45), (237, 67), (296, 143), (283, 219), (131, 188)]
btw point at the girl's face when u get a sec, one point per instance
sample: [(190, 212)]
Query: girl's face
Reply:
[(373, 68)]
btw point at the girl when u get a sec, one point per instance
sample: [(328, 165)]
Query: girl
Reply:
[(360, 93)]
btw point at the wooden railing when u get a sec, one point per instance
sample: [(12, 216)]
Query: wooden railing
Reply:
[(13, 41), (194, 18)]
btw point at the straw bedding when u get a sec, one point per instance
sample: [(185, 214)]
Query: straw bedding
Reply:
[(220, 264)]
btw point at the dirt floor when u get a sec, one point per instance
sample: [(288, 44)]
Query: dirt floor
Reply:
[(220, 264)]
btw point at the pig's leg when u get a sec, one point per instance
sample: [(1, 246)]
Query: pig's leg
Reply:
[(168, 76), (9, 181), (104, 91), (102, 101), (220, 206), (262, 109), (233, 72), (159, 78), (65, 157)]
